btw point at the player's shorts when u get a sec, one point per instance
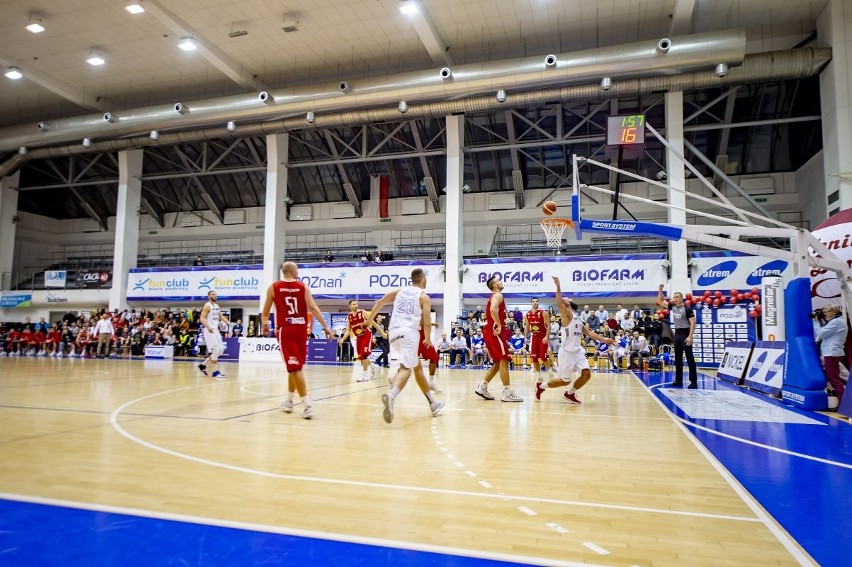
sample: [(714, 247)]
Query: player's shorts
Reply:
[(498, 348), (214, 342), (429, 354), (539, 346), (363, 345), (405, 342), (293, 342), (569, 363)]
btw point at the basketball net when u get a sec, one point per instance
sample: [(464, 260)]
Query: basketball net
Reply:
[(553, 229)]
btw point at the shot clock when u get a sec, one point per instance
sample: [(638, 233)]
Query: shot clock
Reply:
[(626, 130)]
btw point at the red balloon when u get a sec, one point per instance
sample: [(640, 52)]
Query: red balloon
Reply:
[(688, 297), (758, 308), (665, 313), (734, 299), (747, 295), (707, 293), (755, 291), (734, 293), (688, 303), (752, 313), (723, 299), (717, 302), (708, 300), (718, 294)]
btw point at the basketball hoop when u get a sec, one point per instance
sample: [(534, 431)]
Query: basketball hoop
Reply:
[(554, 229)]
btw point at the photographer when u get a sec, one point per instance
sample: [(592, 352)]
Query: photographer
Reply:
[(830, 331)]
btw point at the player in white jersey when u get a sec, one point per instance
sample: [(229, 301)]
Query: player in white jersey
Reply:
[(572, 355), (411, 313), (210, 318)]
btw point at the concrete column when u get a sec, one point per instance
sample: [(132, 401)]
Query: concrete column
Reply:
[(676, 178), (8, 211), (454, 220), (834, 29), (126, 224), (275, 223)]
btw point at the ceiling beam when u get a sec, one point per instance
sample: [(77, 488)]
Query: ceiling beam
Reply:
[(80, 97), (682, 17), (153, 212), (218, 58), (517, 176), (101, 219), (428, 177), (344, 177), (435, 45)]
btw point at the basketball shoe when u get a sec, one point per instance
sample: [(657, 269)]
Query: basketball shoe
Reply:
[(203, 368), (510, 396), (308, 413), (287, 406), (437, 407), (388, 411), (482, 392), (538, 390), (218, 375), (571, 398)]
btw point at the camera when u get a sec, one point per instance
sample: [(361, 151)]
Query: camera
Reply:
[(817, 314)]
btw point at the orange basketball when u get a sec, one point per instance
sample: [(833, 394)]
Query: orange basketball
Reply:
[(549, 207)]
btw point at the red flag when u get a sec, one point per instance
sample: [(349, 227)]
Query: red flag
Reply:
[(384, 189)]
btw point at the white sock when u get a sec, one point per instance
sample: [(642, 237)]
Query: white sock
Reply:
[(394, 392), (290, 397), (543, 385), (306, 400)]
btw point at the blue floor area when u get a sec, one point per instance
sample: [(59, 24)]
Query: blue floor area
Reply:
[(43, 535), (809, 498)]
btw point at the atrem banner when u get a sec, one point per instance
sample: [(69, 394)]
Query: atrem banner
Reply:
[(724, 271), (193, 284), (632, 275)]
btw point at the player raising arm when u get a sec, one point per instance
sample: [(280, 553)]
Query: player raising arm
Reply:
[(572, 355)]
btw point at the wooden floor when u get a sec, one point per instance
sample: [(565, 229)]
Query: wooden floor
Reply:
[(615, 481)]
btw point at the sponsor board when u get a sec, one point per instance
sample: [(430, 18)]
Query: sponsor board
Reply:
[(735, 361), (53, 298), (580, 276), (371, 281), (94, 279), (765, 371), (267, 350), (772, 319), (55, 278), (724, 271), (165, 351), (16, 299), (193, 284)]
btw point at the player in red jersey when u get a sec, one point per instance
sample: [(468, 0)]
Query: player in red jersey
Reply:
[(363, 338), (292, 301), (537, 328), (51, 344), (496, 337), (430, 354)]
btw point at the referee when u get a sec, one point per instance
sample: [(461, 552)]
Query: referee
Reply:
[(684, 327)]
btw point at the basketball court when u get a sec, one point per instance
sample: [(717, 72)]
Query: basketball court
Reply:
[(146, 459)]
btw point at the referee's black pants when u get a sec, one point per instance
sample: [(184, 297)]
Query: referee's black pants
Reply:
[(680, 346), (384, 345)]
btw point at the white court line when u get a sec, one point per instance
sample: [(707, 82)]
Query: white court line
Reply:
[(785, 540), (114, 421), (596, 548), (296, 532), (527, 511), (557, 528)]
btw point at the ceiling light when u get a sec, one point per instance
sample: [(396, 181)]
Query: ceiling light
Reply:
[(237, 33), (408, 7), (14, 73), (96, 59), (290, 24), (134, 8), (34, 25), (187, 44)]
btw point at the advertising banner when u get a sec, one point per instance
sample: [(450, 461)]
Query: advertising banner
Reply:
[(94, 279), (716, 327), (766, 370), (55, 278), (371, 281), (267, 350), (630, 275), (16, 299), (165, 351), (772, 321), (724, 271), (193, 284), (735, 361)]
